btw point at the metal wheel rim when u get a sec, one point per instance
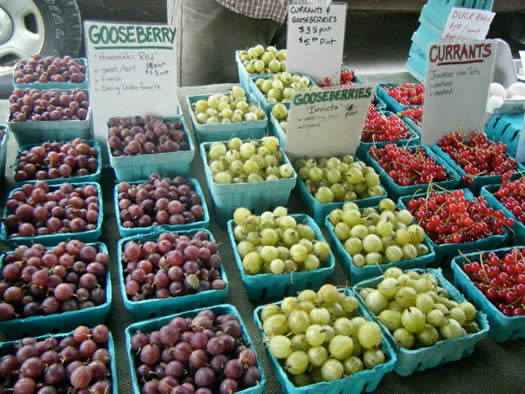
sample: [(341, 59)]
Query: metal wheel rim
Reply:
[(27, 36)]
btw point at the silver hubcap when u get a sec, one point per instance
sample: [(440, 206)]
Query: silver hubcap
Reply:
[(6, 26), (23, 35)]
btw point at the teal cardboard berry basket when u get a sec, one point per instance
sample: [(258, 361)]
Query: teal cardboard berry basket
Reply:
[(58, 322), (155, 307), (53, 239), (363, 147), (518, 229), (3, 149), (271, 286), (148, 326), (444, 351), (445, 252), (366, 380), (58, 85), (9, 347), (479, 181), (395, 191), (170, 164), (35, 132), (94, 177), (320, 211), (391, 103), (127, 232), (225, 131), (502, 328), (259, 96), (358, 274), (257, 197)]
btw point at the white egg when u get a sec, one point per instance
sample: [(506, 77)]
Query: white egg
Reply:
[(496, 89), (516, 89)]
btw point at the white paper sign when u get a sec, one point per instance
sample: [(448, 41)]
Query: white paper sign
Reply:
[(456, 87), (132, 71), (467, 24), (522, 56), (315, 39), (327, 122)]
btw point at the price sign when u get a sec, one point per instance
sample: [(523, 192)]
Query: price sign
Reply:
[(467, 24), (315, 41), (456, 87), (327, 122), (132, 71)]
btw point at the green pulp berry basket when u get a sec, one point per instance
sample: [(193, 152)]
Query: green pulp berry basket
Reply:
[(320, 211), (358, 274), (363, 147), (271, 286), (224, 131), (53, 239), (257, 197), (148, 326), (127, 232), (155, 307), (479, 181), (170, 164), (395, 191), (518, 230), (58, 85), (445, 252), (265, 105), (3, 149), (95, 177), (58, 322), (363, 381), (444, 351), (502, 328), (8, 346), (391, 103)]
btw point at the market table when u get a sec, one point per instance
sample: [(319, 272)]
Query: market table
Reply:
[(492, 368)]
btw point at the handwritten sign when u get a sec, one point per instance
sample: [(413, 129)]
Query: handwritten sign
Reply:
[(467, 24), (315, 39), (456, 87), (327, 122), (132, 71)]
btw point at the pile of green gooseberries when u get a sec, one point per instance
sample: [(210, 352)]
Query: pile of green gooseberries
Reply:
[(258, 60), (280, 112), (333, 179), (320, 337), (378, 236), (277, 243), (232, 107), (416, 310), (281, 86), (252, 161)]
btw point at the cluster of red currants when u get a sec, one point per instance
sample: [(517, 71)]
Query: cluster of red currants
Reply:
[(448, 217), (413, 113), (49, 69), (380, 127), (52, 160), (347, 79), (408, 166), (45, 105), (203, 355), (501, 278), (512, 197), (407, 93), (174, 265), (477, 156)]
